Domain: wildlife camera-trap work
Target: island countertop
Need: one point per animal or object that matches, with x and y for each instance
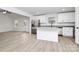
(48, 29)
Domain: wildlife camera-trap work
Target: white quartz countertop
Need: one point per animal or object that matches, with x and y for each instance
(48, 29)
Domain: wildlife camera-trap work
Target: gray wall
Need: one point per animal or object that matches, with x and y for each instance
(21, 26)
(6, 23)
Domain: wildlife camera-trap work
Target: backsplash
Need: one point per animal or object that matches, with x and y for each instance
(58, 24)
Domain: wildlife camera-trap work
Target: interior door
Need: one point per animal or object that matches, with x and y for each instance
(77, 28)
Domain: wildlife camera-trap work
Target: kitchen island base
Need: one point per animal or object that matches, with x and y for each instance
(47, 34)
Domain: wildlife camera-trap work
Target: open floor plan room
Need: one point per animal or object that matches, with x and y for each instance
(39, 29)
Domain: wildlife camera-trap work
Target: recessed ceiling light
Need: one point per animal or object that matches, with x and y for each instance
(63, 9)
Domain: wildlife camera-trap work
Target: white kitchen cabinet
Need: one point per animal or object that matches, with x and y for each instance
(41, 18)
(68, 31)
(52, 16)
(66, 17)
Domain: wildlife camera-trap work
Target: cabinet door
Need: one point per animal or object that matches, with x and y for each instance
(42, 19)
(60, 17)
(70, 17)
(68, 31)
(66, 17)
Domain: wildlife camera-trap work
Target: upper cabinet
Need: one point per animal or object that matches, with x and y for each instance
(41, 18)
(51, 18)
(66, 17)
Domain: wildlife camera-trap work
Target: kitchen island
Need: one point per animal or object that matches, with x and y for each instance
(49, 34)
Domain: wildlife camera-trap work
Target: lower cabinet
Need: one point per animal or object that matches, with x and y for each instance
(68, 31)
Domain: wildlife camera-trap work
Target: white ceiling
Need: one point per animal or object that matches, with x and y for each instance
(45, 10)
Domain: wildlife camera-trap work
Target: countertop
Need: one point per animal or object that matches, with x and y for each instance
(48, 29)
(53, 26)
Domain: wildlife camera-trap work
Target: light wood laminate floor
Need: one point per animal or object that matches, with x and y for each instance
(24, 42)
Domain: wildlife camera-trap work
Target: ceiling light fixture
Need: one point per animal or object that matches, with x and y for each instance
(63, 9)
